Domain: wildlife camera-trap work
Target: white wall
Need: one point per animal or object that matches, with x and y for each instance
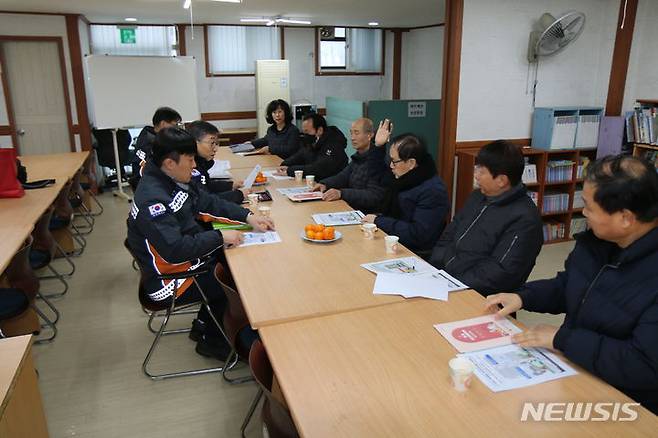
(422, 63)
(493, 97)
(642, 76)
(223, 94)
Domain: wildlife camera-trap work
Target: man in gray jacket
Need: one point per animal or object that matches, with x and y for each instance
(360, 183)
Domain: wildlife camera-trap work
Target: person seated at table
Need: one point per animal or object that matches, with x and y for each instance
(322, 153)
(358, 184)
(609, 286)
(164, 235)
(206, 134)
(492, 243)
(164, 117)
(416, 205)
(282, 137)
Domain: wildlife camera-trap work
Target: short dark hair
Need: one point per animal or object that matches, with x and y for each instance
(272, 106)
(172, 143)
(502, 158)
(409, 146)
(165, 114)
(625, 183)
(200, 128)
(318, 120)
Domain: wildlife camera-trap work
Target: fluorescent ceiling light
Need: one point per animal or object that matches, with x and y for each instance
(187, 4)
(285, 20)
(373, 23)
(255, 20)
(228, 1)
(130, 19)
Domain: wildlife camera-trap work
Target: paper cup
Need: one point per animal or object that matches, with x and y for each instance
(369, 231)
(310, 181)
(298, 175)
(461, 373)
(391, 243)
(264, 210)
(253, 198)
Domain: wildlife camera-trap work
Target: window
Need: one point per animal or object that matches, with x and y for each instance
(147, 41)
(350, 51)
(233, 50)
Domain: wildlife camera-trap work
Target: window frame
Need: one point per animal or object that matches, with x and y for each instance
(337, 71)
(206, 50)
(179, 37)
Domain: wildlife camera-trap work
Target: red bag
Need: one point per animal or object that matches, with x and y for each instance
(9, 185)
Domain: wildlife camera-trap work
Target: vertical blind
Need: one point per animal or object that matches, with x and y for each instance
(149, 41)
(234, 49)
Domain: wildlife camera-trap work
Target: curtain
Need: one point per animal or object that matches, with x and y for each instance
(365, 49)
(149, 41)
(235, 49)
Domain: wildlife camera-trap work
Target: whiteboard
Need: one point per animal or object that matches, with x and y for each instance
(125, 91)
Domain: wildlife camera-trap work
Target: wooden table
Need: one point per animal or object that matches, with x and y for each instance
(248, 162)
(298, 279)
(63, 165)
(21, 411)
(383, 372)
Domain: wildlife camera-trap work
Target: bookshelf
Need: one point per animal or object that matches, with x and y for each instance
(558, 187)
(643, 122)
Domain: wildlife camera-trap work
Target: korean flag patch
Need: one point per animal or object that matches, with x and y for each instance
(157, 209)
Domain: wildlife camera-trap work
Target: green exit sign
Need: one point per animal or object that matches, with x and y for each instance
(127, 35)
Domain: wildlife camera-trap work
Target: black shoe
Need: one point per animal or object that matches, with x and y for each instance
(217, 348)
(198, 327)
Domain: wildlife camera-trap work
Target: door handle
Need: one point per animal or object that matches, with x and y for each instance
(21, 132)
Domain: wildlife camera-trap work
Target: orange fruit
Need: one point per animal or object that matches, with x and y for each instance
(328, 233)
(308, 228)
(318, 228)
(310, 234)
(319, 235)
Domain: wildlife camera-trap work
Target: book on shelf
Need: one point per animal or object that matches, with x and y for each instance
(578, 225)
(529, 174)
(534, 196)
(583, 162)
(642, 125)
(555, 202)
(553, 230)
(559, 171)
(578, 199)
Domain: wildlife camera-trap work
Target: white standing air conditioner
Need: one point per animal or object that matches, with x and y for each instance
(272, 82)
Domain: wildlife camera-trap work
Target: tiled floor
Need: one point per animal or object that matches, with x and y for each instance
(91, 378)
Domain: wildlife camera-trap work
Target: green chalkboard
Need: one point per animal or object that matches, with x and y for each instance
(419, 117)
(341, 113)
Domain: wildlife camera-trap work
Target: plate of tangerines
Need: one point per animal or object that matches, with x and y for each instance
(320, 234)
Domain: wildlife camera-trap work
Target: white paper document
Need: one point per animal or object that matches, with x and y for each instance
(261, 238)
(403, 265)
(220, 169)
(270, 174)
(512, 367)
(241, 148)
(433, 285)
(293, 190)
(479, 333)
(339, 218)
(252, 177)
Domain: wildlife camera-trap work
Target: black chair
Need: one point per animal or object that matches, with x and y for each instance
(104, 146)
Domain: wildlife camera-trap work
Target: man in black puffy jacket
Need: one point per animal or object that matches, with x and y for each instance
(323, 151)
(360, 183)
(609, 286)
(492, 243)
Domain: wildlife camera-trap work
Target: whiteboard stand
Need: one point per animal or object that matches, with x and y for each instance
(119, 192)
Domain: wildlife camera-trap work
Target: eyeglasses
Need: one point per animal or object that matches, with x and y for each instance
(394, 162)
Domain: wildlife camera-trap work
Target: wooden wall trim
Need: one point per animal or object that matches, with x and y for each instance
(452, 44)
(397, 63)
(620, 57)
(8, 101)
(283, 43)
(477, 144)
(75, 55)
(229, 115)
(426, 27)
(182, 43)
(6, 130)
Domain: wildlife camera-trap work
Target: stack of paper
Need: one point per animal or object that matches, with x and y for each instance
(220, 169)
(260, 238)
(270, 174)
(337, 219)
(412, 277)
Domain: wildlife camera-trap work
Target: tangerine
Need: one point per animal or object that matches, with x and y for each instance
(310, 234)
(319, 235)
(308, 228)
(328, 233)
